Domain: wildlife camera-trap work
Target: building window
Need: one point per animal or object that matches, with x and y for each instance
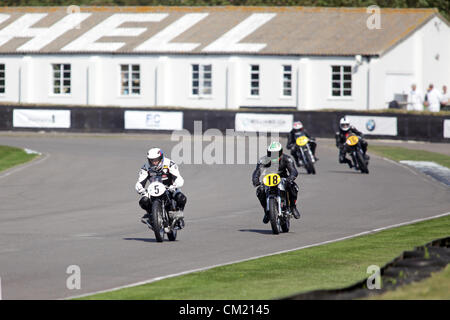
(201, 79)
(130, 79)
(254, 80)
(287, 80)
(2, 78)
(61, 78)
(341, 81)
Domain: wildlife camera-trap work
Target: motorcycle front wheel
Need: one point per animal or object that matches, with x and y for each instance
(157, 221)
(362, 163)
(309, 164)
(274, 221)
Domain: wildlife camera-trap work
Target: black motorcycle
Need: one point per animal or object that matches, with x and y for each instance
(304, 154)
(163, 209)
(353, 146)
(277, 202)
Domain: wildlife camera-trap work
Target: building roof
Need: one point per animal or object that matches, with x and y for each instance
(205, 30)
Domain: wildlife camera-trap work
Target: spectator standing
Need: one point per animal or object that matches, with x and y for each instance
(415, 102)
(433, 98)
(445, 102)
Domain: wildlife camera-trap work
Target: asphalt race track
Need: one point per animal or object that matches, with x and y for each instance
(78, 206)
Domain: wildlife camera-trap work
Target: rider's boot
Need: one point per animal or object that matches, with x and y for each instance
(266, 217)
(146, 218)
(179, 217)
(295, 212)
(297, 161)
(350, 165)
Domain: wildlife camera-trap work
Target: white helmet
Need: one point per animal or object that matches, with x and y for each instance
(344, 124)
(275, 150)
(155, 158)
(297, 125)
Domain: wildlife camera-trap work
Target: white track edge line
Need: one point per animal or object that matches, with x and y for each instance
(24, 166)
(257, 257)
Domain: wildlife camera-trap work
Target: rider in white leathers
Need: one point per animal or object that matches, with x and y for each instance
(158, 165)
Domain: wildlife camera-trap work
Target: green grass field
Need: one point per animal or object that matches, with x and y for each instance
(328, 266)
(11, 156)
(398, 154)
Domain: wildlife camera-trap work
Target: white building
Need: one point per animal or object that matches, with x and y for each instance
(220, 57)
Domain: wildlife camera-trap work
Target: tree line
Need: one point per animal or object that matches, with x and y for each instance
(442, 5)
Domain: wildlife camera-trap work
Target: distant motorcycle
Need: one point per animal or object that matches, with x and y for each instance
(162, 219)
(277, 203)
(304, 154)
(353, 146)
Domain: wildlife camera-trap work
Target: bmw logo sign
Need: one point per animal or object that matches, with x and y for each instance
(370, 124)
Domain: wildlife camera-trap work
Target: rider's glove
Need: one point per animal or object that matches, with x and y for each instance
(172, 188)
(143, 192)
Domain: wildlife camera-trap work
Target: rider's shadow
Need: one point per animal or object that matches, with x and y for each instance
(141, 239)
(262, 231)
(344, 171)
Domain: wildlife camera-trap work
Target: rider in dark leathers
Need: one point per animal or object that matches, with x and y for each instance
(286, 169)
(345, 129)
(297, 131)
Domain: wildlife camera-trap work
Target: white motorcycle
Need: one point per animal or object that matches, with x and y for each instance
(162, 219)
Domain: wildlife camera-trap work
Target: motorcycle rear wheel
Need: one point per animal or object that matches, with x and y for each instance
(285, 225)
(172, 235)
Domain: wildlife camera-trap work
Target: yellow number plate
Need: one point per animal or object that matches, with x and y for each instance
(301, 141)
(352, 140)
(272, 180)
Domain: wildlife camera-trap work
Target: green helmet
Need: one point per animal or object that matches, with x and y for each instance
(275, 149)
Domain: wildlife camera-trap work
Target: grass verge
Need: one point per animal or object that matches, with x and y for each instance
(11, 156)
(398, 154)
(328, 266)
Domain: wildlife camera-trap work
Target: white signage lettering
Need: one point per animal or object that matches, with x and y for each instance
(40, 36)
(229, 42)
(447, 128)
(109, 28)
(153, 120)
(263, 122)
(41, 118)
(4, 17)
(161, 41)
(374, 125)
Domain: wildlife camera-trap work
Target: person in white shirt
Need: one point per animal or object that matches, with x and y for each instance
(415, 102)
(445, 102)
(434, 98)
